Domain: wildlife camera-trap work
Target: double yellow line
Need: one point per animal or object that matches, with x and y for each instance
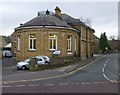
(57, 76)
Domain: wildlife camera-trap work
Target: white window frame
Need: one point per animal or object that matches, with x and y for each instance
(75, 43)
(31, 49)
(55, 38)
(69, 46)
(18, 42)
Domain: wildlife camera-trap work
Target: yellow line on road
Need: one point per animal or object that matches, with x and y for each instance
(72, 72)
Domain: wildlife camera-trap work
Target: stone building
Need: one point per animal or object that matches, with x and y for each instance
(114, 45)
(49, 32)
(96, 45)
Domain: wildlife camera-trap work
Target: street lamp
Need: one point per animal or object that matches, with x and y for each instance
(106, 48)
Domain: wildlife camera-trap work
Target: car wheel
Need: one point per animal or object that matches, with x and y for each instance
(5, 54)
(23, 67)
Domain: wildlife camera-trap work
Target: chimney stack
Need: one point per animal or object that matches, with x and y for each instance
(57, 11)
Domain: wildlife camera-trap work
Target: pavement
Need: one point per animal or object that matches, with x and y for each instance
(14, 75)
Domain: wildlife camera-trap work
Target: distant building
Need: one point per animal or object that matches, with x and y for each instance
(113, 45)
(49, 32)
(96, 45)
(3, 42)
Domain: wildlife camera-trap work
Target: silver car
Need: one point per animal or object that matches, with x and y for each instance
(25, 64)
(46, 58)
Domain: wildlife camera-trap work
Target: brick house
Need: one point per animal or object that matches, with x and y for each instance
(52, 31)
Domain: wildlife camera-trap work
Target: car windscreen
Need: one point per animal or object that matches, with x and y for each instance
(27, 60)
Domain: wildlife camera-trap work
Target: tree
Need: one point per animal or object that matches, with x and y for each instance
(104, 45)
(87, 21)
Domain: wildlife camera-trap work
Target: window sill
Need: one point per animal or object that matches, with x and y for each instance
(52, 49)
(69, 53)
(18, 50)
(32, 50)
(69, 50)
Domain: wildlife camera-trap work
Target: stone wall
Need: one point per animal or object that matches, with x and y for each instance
(42, 42)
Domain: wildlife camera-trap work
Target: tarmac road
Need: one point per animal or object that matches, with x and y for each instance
(100, 76)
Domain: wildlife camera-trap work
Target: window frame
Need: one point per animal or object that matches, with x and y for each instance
(32, 44)
(18, 43)
(53, 39)
(75, 43)
(69, 43)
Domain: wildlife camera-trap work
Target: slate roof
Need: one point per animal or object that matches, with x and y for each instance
(46, 20)
(95, 37)
(69, 19)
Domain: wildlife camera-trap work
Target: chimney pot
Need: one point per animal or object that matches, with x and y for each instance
(57, 11)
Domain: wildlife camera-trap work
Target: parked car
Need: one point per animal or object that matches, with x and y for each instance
(25, 64)
(46, 58)
(7, 54)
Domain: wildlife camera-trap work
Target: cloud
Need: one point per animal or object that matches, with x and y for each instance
(103, 15)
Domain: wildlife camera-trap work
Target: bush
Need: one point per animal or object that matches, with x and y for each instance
(53, 65)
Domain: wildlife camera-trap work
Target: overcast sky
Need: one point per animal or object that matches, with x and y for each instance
(104, 16)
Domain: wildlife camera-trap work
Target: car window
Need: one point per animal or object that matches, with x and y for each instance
(39, 59)
(44, 58)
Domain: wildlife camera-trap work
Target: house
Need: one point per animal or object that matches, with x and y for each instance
(6, 49)
(96, 44)
(3, 42)
(51, 31)
(114, 45)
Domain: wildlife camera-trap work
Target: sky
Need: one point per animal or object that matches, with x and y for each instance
(103, 15)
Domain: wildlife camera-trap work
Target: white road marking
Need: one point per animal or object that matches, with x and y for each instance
(106, 77)
(83, 83)
(104, 65)
(63, 83)
(19, 85)
(88, 83)
(95, 82)
(5, 82)
(103, 71)
(99, 82)
(114, 81)
(34, 85)
(49, 84)
(6, 86)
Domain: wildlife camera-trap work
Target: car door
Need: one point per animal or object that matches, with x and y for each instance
(40, 61)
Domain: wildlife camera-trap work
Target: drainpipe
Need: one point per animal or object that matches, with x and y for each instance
(79, 44)
(87, 43)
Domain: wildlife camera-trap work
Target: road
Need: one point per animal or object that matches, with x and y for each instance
(100, 76)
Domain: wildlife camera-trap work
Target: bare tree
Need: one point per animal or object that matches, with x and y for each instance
(112, 37)
(87, 21)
